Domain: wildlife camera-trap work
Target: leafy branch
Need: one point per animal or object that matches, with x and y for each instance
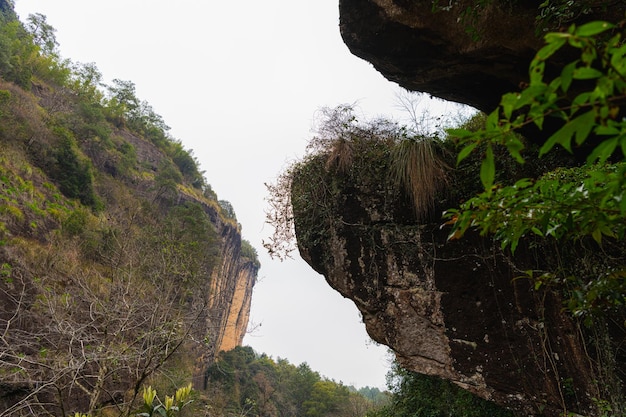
(586, 101)
(594, 111)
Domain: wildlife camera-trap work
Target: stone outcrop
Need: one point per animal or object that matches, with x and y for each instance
(466, 51)
(228, 298)
(461, 310)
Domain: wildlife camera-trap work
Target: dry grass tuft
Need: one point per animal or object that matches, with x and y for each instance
(341, 155)
(417, 168)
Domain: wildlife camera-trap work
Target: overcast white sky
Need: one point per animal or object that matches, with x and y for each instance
(239, 83)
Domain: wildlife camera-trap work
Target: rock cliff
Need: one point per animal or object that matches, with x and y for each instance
(461, 310)
(231, 292)
(457, 309)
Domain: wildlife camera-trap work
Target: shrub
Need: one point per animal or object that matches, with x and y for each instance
(73, 172)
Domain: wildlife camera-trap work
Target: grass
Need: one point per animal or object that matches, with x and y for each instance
(417, 169)
(341, 155)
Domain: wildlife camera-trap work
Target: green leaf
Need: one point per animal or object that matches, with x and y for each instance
(597, 236)
(515, 146)
(606, 130)
(536, 72)
(509, 103)
(617, 59)
(580, 126)
(584, 125)
(555, 36)
(465, 152)
(593, 28)
(488, 169)
(492, 120)
(553, 45)
(567, 74)
(586, 73)
(580, 100)
(458, 133)
(622, 204)
(603, 151)
(514, 243)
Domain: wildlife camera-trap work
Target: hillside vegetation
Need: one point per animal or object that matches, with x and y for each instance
(111, 240)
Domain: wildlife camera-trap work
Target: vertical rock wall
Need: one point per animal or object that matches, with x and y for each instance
(228, 297)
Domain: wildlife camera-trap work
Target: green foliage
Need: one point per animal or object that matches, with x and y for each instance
(379, 154)
(186, 237)
(73, 172)
(227, 209)
(248, 251)
(7, 11)
(187, 164)
(43, 33)
(326, 398)
(242, 381)
(569, 205)
(75, 223)
(171, 406)
(557, 13)
(565, 205)
(602, 65)
(102, 298)
(417, 395)
(17, 53)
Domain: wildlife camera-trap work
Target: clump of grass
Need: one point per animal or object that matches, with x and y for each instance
(416, 167)
(341, 155)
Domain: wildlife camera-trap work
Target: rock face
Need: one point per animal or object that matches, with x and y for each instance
(231, 293)
(228, 298)
(458, 310)
(458, 50)
(461, 310)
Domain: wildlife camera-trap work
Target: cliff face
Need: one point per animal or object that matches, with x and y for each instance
(461, 310)
(231, 292)
(227, 297)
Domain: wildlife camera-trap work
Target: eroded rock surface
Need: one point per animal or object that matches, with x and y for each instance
(461, 310)
(460, 50)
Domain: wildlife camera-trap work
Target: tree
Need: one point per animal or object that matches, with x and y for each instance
(43, 33)
(115, 323)
(326, 399)
(18, 53)
(417, 395)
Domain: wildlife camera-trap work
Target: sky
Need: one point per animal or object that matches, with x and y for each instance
(240, 84)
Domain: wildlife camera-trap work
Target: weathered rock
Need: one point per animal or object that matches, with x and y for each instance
(460, 50)
(231, 292)
(461, 310)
